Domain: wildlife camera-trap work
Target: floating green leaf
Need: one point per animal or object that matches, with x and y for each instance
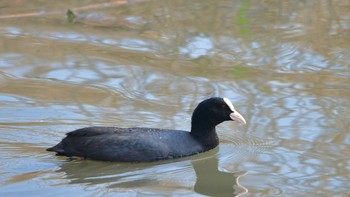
(71, 16)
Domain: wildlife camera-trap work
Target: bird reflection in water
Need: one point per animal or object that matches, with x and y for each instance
(157, 178)
(213, 182)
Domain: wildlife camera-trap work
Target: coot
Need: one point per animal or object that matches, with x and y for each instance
(150, 144)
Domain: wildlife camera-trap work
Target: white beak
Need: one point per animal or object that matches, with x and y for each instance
(237, 117)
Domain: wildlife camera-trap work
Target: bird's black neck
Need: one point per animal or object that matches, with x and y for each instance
(205, 133)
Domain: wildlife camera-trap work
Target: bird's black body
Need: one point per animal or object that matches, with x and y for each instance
(127, 144)
(148, 144)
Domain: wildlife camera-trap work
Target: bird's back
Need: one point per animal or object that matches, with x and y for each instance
(128, 144)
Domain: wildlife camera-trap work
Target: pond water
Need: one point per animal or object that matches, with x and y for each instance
(284, 64)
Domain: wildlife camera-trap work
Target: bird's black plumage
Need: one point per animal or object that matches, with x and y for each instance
(150, 144)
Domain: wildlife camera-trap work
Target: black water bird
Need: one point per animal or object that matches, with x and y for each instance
(150, 144)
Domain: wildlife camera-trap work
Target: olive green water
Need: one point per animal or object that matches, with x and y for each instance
(284, 64)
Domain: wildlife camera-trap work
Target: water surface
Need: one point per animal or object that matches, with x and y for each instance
(285, 66)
